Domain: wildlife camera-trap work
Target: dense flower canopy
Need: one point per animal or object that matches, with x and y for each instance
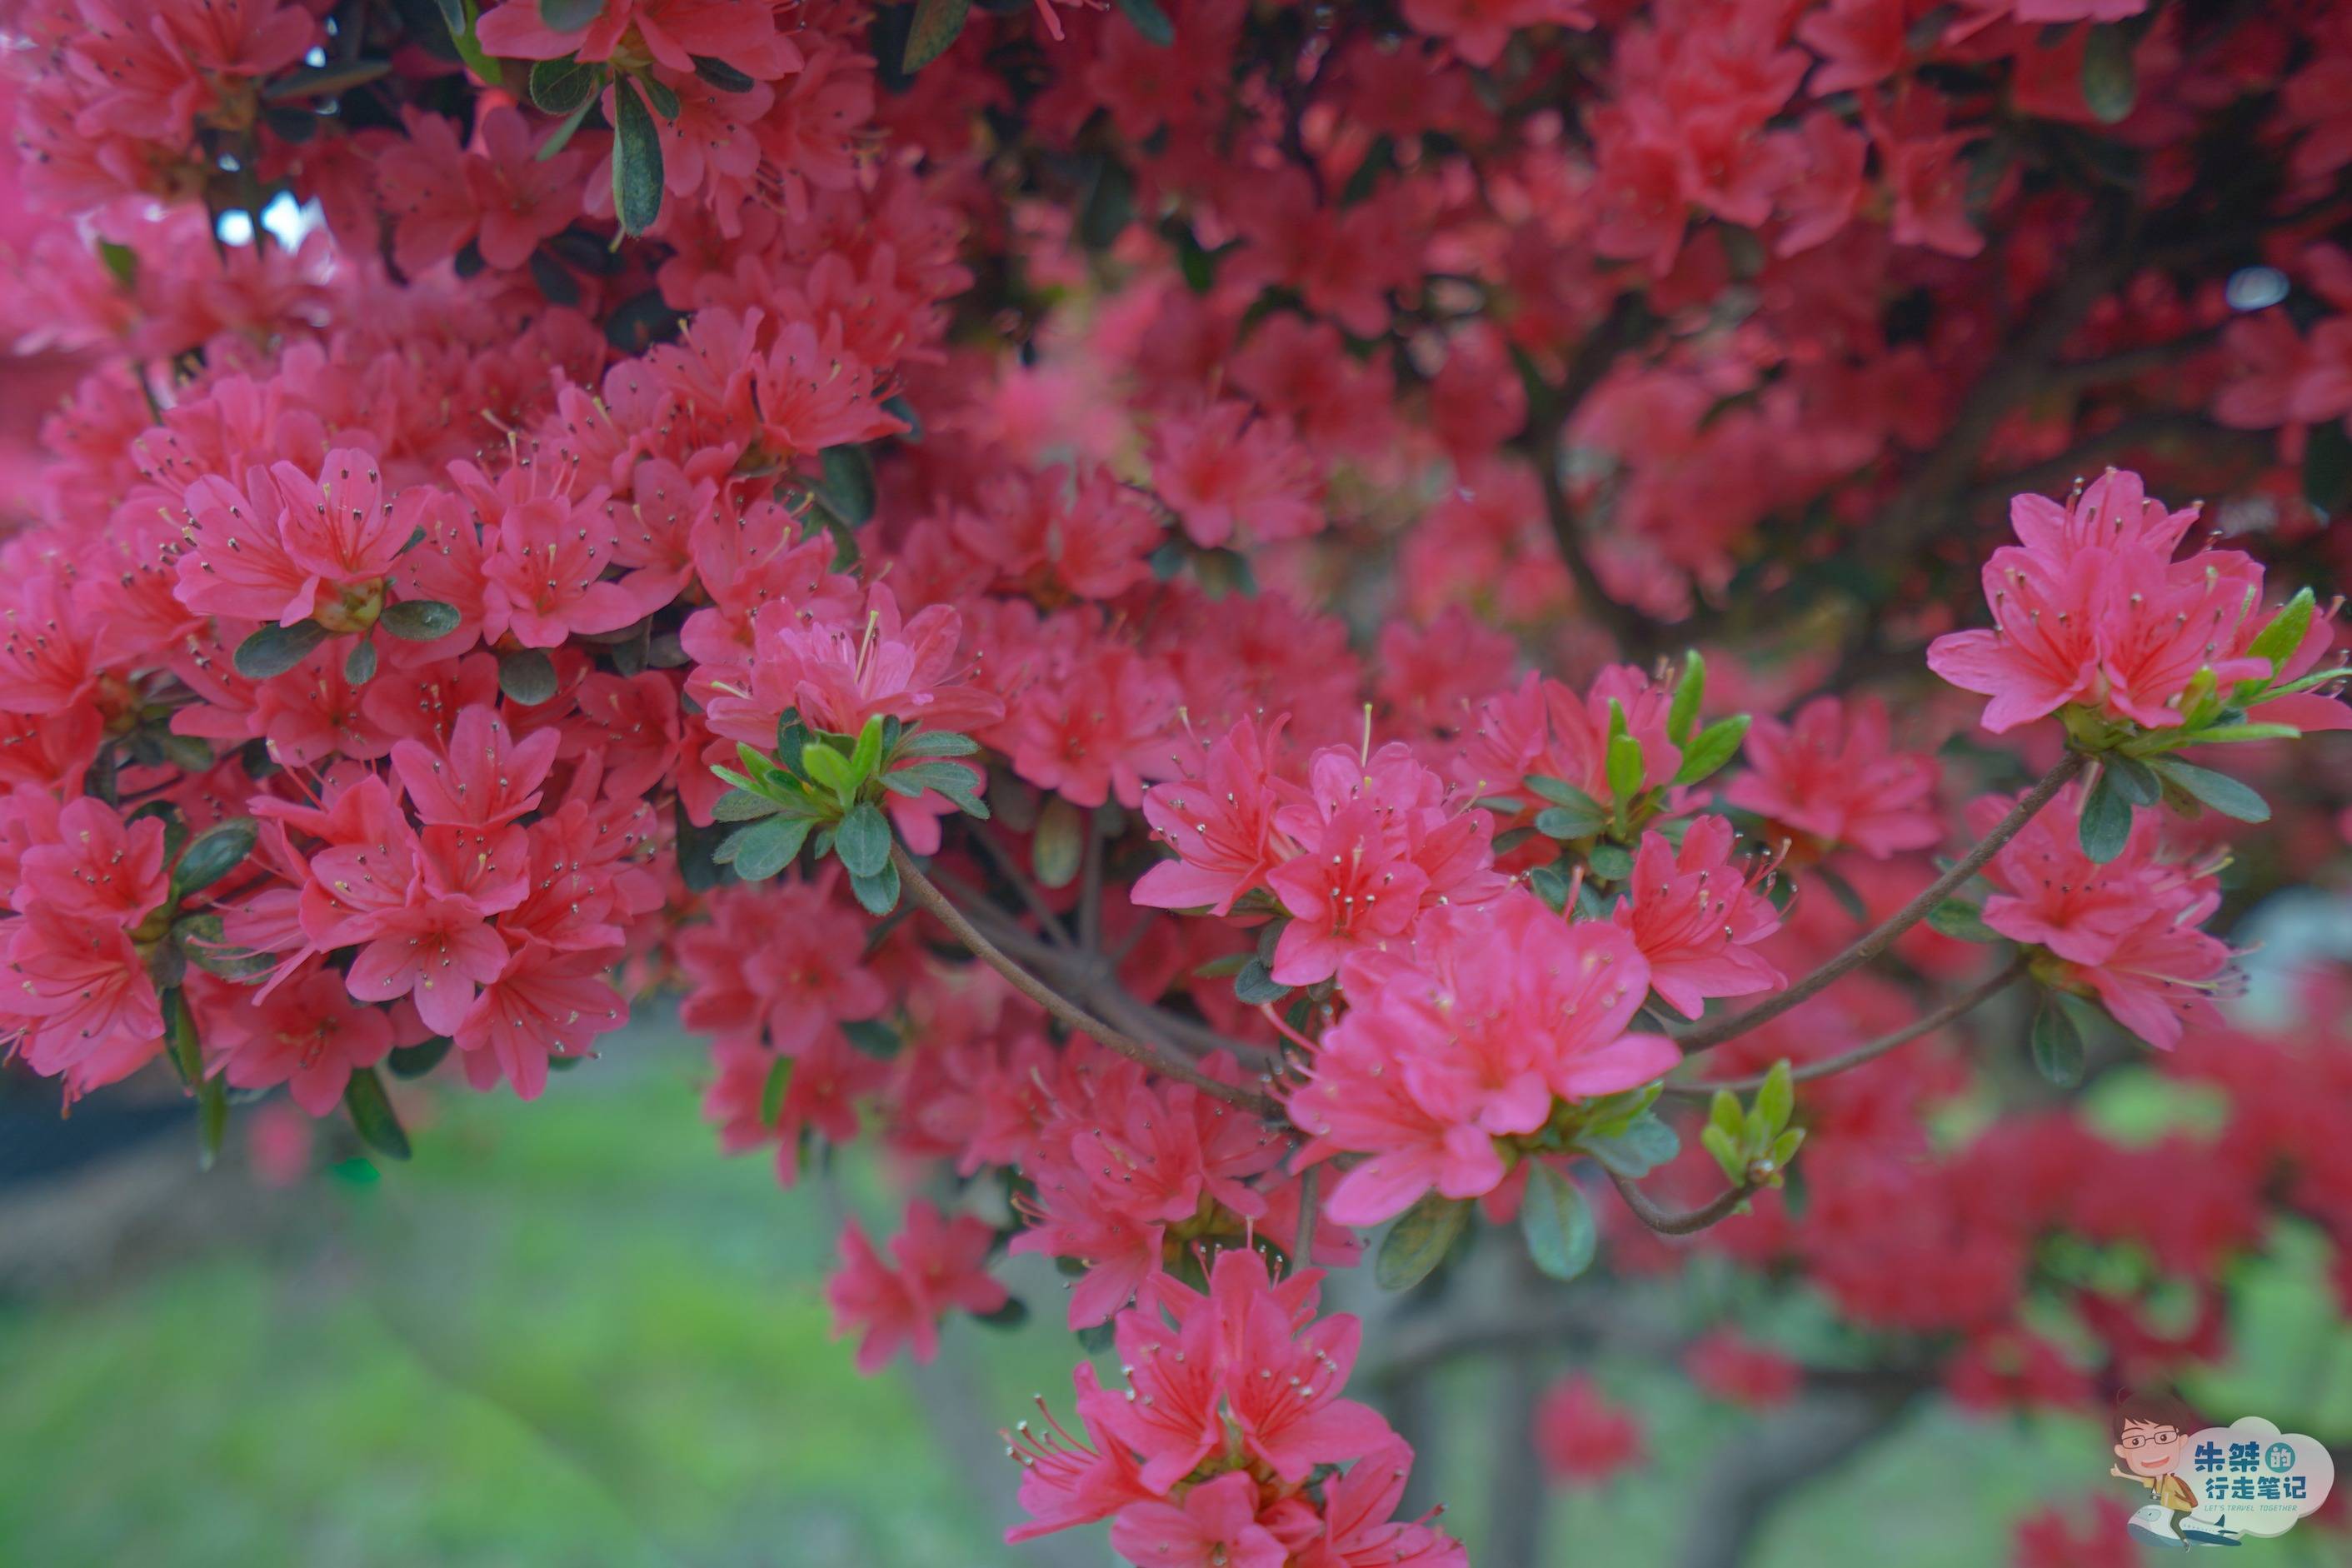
(1103, 593)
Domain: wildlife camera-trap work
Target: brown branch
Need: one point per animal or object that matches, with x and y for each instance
(2127, 363)
(1878, 939)
(1031, 894)
(1091, 978)
(1305, 1251)
(2133, 431)
(1828, 1067)
(1058, 1006)
(1546, 443)
(1667, 1222)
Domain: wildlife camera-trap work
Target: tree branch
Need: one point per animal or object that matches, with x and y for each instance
(1668, 1222)
(1546, 443)
(1090, 978)
(1927, 1024)
(1759, 1470)
(1877, 940)
(1060, 1006)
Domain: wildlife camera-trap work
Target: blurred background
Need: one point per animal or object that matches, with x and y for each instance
(570, 1332)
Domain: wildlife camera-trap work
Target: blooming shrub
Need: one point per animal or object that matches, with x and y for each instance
(1093, 591)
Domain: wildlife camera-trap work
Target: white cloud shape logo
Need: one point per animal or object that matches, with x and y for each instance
(2252, 1478)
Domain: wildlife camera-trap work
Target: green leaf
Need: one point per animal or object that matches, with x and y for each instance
(373, 1115)
(637, 162)
(359, 665)
(1689, 692)
(212, 1121)
(2057, 1045)
(1723, 1111)
(2232, 734)
(527, 676)
(871, 1037)
(743, 806)
(697, 847)
(847, 487)
(862, 840)
(200, 937)
(559, 87)
(1107, 207)
(958, 784)
(1626, 767)
(1711, 748)
(2134, 780)
(1776, 1100)
(867, 755)
(1610, 862)
(1647, 1143)
(1055, 850)
(773, 1090)
(2110, 80)
(1725, 1147)
(1255, 984)
(1096, 1338)
(1566, 822)
(2219, 791)
(934, 29)
(1964, 921)
(825, 762)
(324, 82)
(460, 15)
(2280, 640)
(878, 894)
(274, 650)
(1012, 1315)
(1550, 884)
(1784, 1150)
(2106, 822)
(1561, 793)
(569, 15)
(419, 620)
(212, 856)
(1149, 20)
(1419, 1241)
(933, 743)
(122, 262)
(791, 739)
(660, 94)
(417, 1060)
(760, 850)
(1556, 1223)
(721, 75)
(2327, 466)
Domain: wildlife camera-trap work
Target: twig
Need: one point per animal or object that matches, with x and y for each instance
(1546, 446)
(1090, 890)
(1030, 893)
(1927, 1024)
(1666, 1222)
(1761, 1471)
(2132, 431)
(1306, 1248)
(1060, 1006)
(1091, 978)
(1877, 940)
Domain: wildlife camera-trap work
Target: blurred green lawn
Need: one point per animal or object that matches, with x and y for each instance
(570, 1333)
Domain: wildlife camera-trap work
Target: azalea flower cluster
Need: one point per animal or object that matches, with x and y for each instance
(2092, 615)
(1232, 1442)
(1086, 590)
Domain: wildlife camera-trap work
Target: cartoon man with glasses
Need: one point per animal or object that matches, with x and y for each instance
(2151, 1439)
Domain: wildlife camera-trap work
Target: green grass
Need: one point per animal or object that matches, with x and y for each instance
(570, 1333)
